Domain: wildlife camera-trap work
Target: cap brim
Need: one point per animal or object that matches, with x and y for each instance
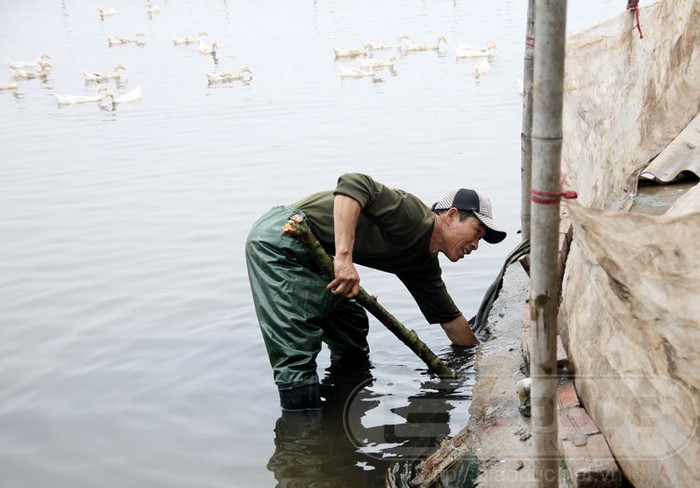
(494, 234)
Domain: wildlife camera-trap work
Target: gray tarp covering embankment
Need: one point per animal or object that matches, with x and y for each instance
(630, 314)
(682, 155)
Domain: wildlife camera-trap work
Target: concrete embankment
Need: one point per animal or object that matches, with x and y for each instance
(497, 440)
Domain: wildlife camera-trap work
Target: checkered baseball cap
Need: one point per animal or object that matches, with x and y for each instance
(473, 201)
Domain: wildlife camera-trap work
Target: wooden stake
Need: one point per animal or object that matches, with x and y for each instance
(297, 227)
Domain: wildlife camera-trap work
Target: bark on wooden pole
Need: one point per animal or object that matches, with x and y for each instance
(550, 28)
(526, 134)
(297, 227)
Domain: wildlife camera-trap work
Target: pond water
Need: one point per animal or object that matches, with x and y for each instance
(129, 350)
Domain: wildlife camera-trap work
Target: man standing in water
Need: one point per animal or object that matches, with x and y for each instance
(365, 222)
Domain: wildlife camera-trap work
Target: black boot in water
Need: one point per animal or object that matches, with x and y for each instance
(304, 397)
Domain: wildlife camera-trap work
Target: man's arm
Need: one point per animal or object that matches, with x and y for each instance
(459, 332)
(346, 211)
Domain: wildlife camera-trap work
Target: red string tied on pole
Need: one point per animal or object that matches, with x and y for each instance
(634, 6)
(552, 197)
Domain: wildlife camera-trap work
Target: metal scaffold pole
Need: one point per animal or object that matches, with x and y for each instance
(548, 89)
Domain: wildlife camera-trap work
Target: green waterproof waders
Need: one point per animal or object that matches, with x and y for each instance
(295, 310)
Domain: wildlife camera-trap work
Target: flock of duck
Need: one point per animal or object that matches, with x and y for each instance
(40, 69)
(366, 62)
(103, 95)
(368, 65)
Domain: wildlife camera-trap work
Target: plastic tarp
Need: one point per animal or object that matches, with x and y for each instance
(629, 314)
(626, 99)
(683, 154)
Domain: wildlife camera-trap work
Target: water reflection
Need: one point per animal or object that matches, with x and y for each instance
(336, 447)
(312, 448)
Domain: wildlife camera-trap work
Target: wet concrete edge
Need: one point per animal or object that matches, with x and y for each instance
(496, 433)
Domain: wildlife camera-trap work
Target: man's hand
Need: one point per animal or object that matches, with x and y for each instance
(459, 332)
(347, 279)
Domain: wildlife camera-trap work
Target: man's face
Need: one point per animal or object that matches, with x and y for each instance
(461, 237)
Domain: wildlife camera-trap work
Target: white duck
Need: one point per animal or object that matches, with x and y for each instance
(106, 12)
(408, 46)
(482, 68)
(379, 64)
(350, 52)
(380, 46)
(75, 99)
(8, 86)
(38, 64)
(346, 72)
(30, 75)
(130, 96)
(469, 51)
(96, 76)
(244, 74)
(186, 41)
(205, 48)
(152, 9)
(120, 41)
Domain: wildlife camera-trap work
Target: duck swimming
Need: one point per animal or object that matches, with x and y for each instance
(75, 99)
(96, 76)
(379, 64)
(8, 86)
(350, 52)
(244, 74)
(38, 64)
(120, 41)
(130, 96)
(469, 51)
(186, 41)
(106, 12)
(151, 9)
(346, 72)
(408, 46)
(30, 75)
(482, 68)
(205, 48)
(380, 46)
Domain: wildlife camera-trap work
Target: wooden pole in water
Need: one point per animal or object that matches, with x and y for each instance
(297, 227)
(550, 49)
(526, 134)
